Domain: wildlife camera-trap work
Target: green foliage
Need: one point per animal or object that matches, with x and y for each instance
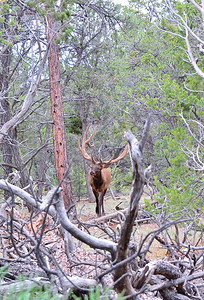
(147, 203)
(180, 181)
(35, 291)
(147, 57)
(186, 9)
(3, 271)
(75, 125)
(121, 181)
(5, 7)
(96, 294)
(122, 76)
(177, 200)
(31, 3)
(78, 179)
(5, 42)
(154, 78)
(65, 34)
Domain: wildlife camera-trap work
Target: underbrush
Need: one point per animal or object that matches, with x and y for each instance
(27, 288)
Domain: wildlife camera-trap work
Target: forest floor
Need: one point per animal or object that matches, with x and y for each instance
(86, 213)
(82, 253)
(82, 262)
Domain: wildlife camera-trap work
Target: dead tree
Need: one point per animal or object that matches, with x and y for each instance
(122, 276)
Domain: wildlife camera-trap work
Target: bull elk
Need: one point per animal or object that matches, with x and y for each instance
(99, 175)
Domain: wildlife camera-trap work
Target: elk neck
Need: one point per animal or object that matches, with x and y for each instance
(98, 181)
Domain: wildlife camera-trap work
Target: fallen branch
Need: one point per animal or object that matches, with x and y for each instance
(63, 219)
(107, 217)
(176, 282)
(72, 283)
(116, 214)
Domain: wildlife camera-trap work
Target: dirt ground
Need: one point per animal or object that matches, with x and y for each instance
(82, 261)
(86, 213)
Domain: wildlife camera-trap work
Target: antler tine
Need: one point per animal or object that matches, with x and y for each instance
(86, 142)
(122, 155)
(83, 151)
(84, 137)
(100, 159)
(107, 163)
(92, 159)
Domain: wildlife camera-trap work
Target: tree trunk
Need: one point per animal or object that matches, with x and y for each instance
(59, 138)
(5, 114)
(42, 168)
(10, 148)
(19, 164)
(122, 276)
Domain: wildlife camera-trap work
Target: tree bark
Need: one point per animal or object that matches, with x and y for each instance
(59, 138)
(124, 283)
(5, 115)
(43, 160)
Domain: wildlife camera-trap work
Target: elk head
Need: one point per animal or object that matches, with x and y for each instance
(99, 175)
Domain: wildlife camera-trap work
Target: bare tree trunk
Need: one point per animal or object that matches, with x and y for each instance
(122, 276)
(7, 147)
(19, 165)
(59, 138)
(8, 123)
(42, 167)
(5, 114)
(10, 150)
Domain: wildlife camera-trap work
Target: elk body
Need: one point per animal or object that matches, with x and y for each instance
(99, 175)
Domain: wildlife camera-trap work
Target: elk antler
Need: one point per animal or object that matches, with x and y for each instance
(90, 157)
(86, 142)
(121, 156)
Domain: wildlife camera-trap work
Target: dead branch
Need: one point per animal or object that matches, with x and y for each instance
(82, 236)
(136, 193)
(65, 222)
(28, 99)
(115, 215)
(107, 217)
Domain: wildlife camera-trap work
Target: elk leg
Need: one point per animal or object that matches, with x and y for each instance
(103, 211)
(101, 206)
(97, 202)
